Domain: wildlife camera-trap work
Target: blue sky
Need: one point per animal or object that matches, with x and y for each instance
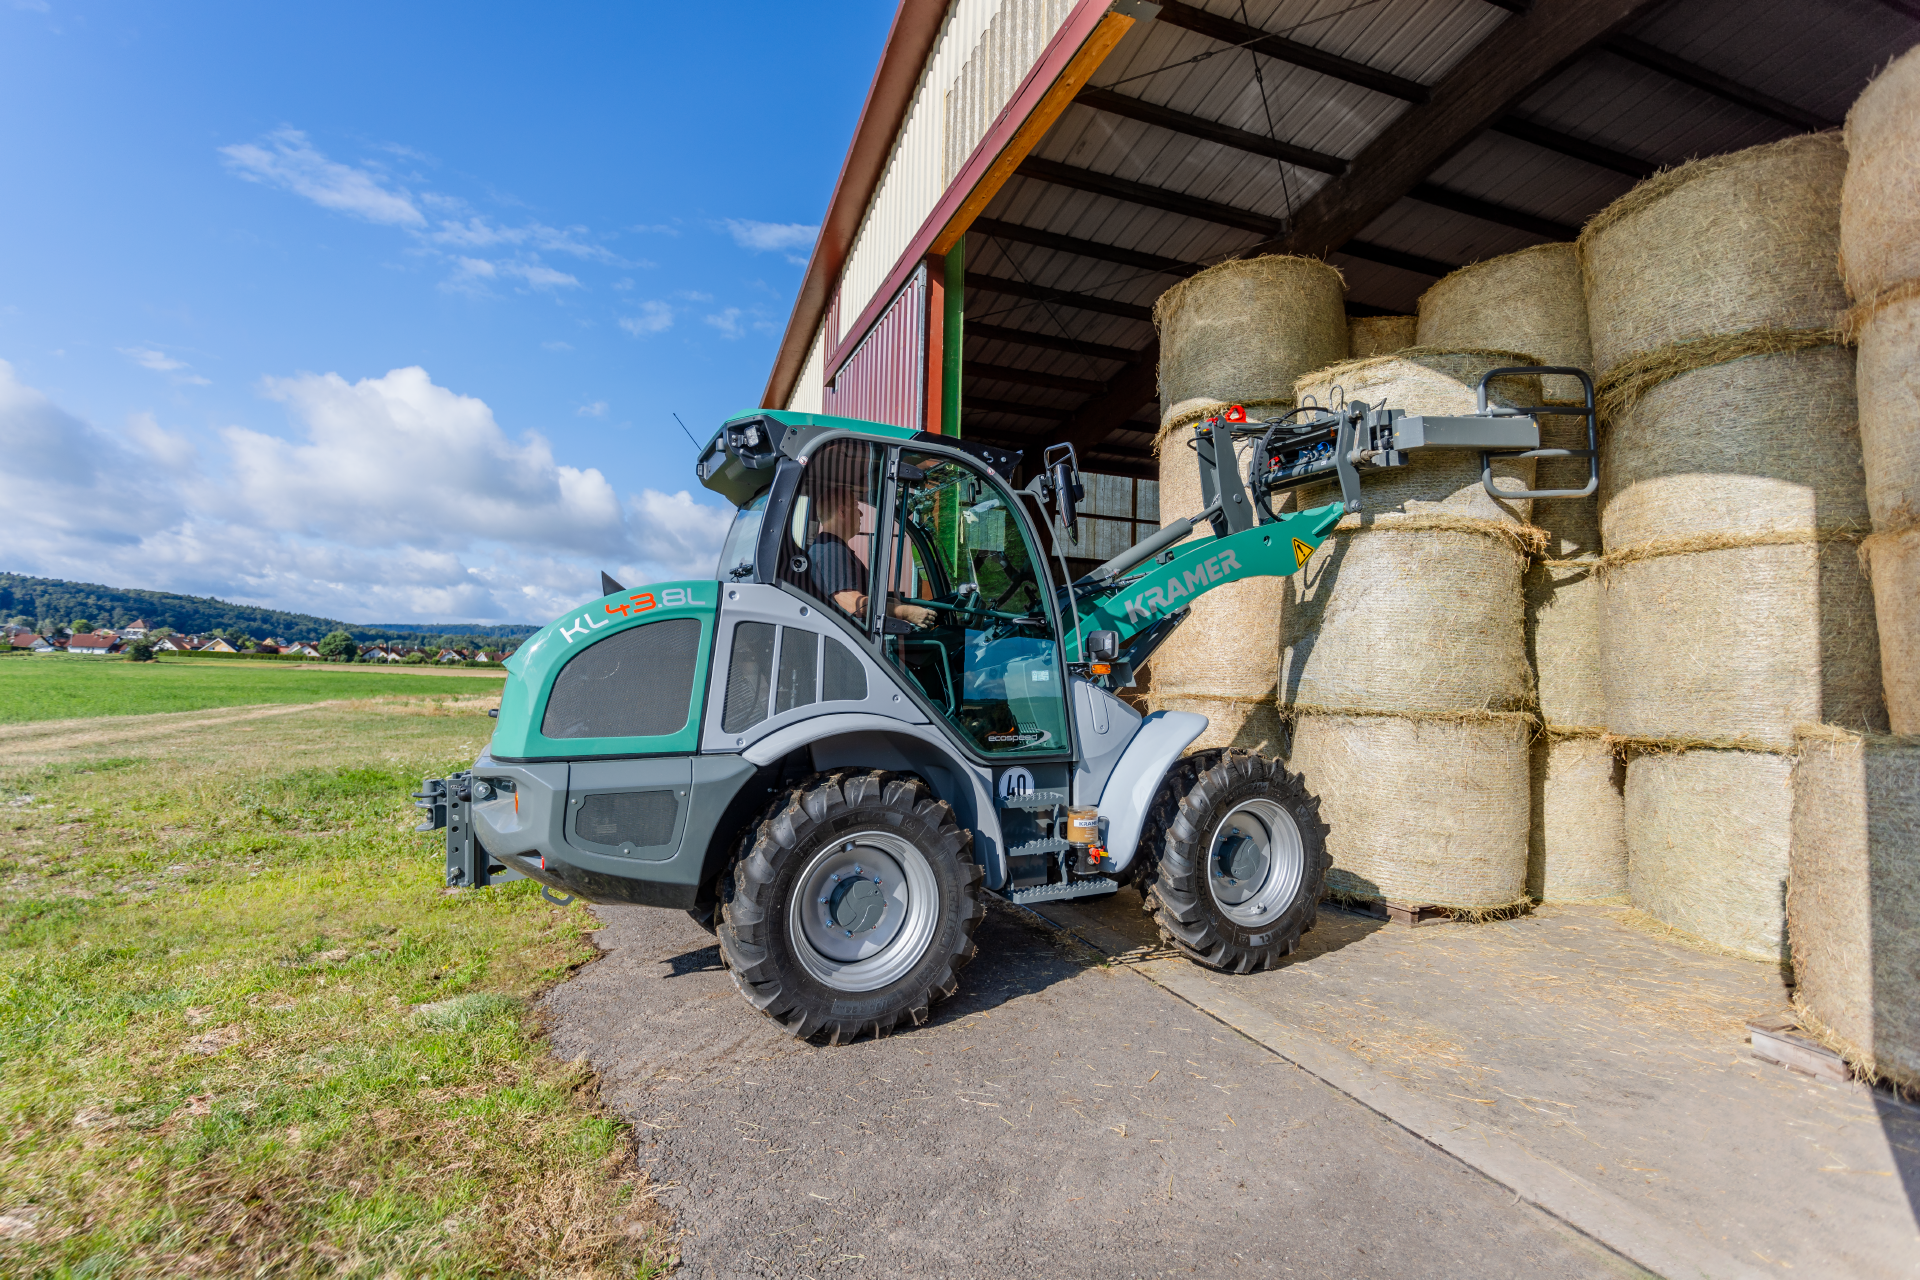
(381, 311)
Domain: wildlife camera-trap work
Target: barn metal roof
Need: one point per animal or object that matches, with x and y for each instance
(1224, 127)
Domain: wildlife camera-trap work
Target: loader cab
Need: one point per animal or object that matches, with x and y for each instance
(921, 552)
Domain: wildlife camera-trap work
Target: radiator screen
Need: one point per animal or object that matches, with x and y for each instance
(639, 818)
(635, 684)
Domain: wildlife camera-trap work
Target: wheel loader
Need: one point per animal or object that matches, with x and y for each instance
(892, 698)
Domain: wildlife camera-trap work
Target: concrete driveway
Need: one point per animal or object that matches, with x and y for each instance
(1060, 1117)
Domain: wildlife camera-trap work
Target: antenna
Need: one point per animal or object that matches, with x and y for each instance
(683, 427)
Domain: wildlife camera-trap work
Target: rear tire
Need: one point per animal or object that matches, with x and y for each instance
(1241, 860)
(853, 907)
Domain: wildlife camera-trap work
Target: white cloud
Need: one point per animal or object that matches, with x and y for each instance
(766, 236)
(161, 362)
(540, 277)
(727, 322)
(598, 409)
(397, 500)
(654, 317)
(290, 162)
(556, 345)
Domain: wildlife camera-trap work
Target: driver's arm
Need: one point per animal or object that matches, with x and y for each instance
(855, 603)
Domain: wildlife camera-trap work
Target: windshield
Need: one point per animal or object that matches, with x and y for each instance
(736, 555)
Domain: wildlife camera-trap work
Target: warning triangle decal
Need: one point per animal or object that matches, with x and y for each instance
(1300, 552)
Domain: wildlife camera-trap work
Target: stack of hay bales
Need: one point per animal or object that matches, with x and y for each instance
(1237, 333)
(1854, 893)
(1404, 667)
(1380, 335)
(1880, 256)
(1532, 301)
(1732, 505)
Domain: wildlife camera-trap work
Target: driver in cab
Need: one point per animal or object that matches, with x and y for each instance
(837, 573)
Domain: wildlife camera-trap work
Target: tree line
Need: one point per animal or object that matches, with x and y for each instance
(50, 605)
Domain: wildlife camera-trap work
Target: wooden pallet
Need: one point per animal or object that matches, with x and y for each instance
(1778, 1039)
(1406, 913)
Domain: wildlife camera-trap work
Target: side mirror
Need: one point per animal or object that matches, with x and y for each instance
(1063, 477)
(1102, 646)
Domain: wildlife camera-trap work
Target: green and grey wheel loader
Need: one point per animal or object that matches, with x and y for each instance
(887, 701)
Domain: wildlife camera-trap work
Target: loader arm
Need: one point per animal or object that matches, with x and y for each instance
(1137, 604)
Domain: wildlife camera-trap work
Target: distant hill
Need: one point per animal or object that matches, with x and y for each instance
(55, 600)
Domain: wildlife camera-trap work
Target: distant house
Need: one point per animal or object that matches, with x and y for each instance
(300, 647)
(218, 645)
(44, 644)
(94, 644)
(452, 655)
(21, 638)
(171, 644)
(136, 629)
(266, 646)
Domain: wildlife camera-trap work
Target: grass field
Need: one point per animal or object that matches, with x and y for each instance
(244, 1030)
(41, 687)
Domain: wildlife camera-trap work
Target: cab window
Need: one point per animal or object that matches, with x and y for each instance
(967, 608)
(743, 541)
(827, 549)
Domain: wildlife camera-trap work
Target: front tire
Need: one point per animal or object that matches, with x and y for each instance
(1242, 861)
(853, 907)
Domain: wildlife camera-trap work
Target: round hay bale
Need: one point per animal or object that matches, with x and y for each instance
(1893, 559)
(1422, 812)
(1731, 243)
(1737, 645)
(1426, 380)
(1577, 848)
(1889, 376)
(1853, 896)
(1380, 619)
(1224, 659)
(1369, 336)
(1880, 199)
(1708, 834)
(1246, 724)
(1765, 443)
(1564, 603)
(1244, 330)
(1527, 301)
(1572, 525)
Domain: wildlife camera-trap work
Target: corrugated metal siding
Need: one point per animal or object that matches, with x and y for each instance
(885, 379)
(1007, 50)
(915, 178)
(1117, 512)
(808, 389)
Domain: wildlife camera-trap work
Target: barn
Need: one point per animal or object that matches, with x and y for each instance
(1027, 176)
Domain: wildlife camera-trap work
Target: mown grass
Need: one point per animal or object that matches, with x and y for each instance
(245, 1031)
(42, 687)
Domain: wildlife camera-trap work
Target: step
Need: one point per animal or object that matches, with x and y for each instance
(1055, 892)
(1035, 848)
(1036, 800)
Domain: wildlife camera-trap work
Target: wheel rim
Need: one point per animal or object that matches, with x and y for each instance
(1255, 863)
(863, 911)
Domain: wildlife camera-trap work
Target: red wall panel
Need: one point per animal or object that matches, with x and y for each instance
(885, 379)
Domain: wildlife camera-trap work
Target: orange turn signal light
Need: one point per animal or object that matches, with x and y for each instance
(1101, 669)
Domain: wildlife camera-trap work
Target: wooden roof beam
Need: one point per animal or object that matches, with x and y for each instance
(1677, 68)
(1229, 31)
(1082, 248)
(1577, 148)
(1119, 104)
(1487, 211)
(1141, 193)
(1049, 342)
(1532, 46)
(1032, 378)
(985, 405)
(1040, 293)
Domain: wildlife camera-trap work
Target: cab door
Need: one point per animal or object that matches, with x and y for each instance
(967, 616)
